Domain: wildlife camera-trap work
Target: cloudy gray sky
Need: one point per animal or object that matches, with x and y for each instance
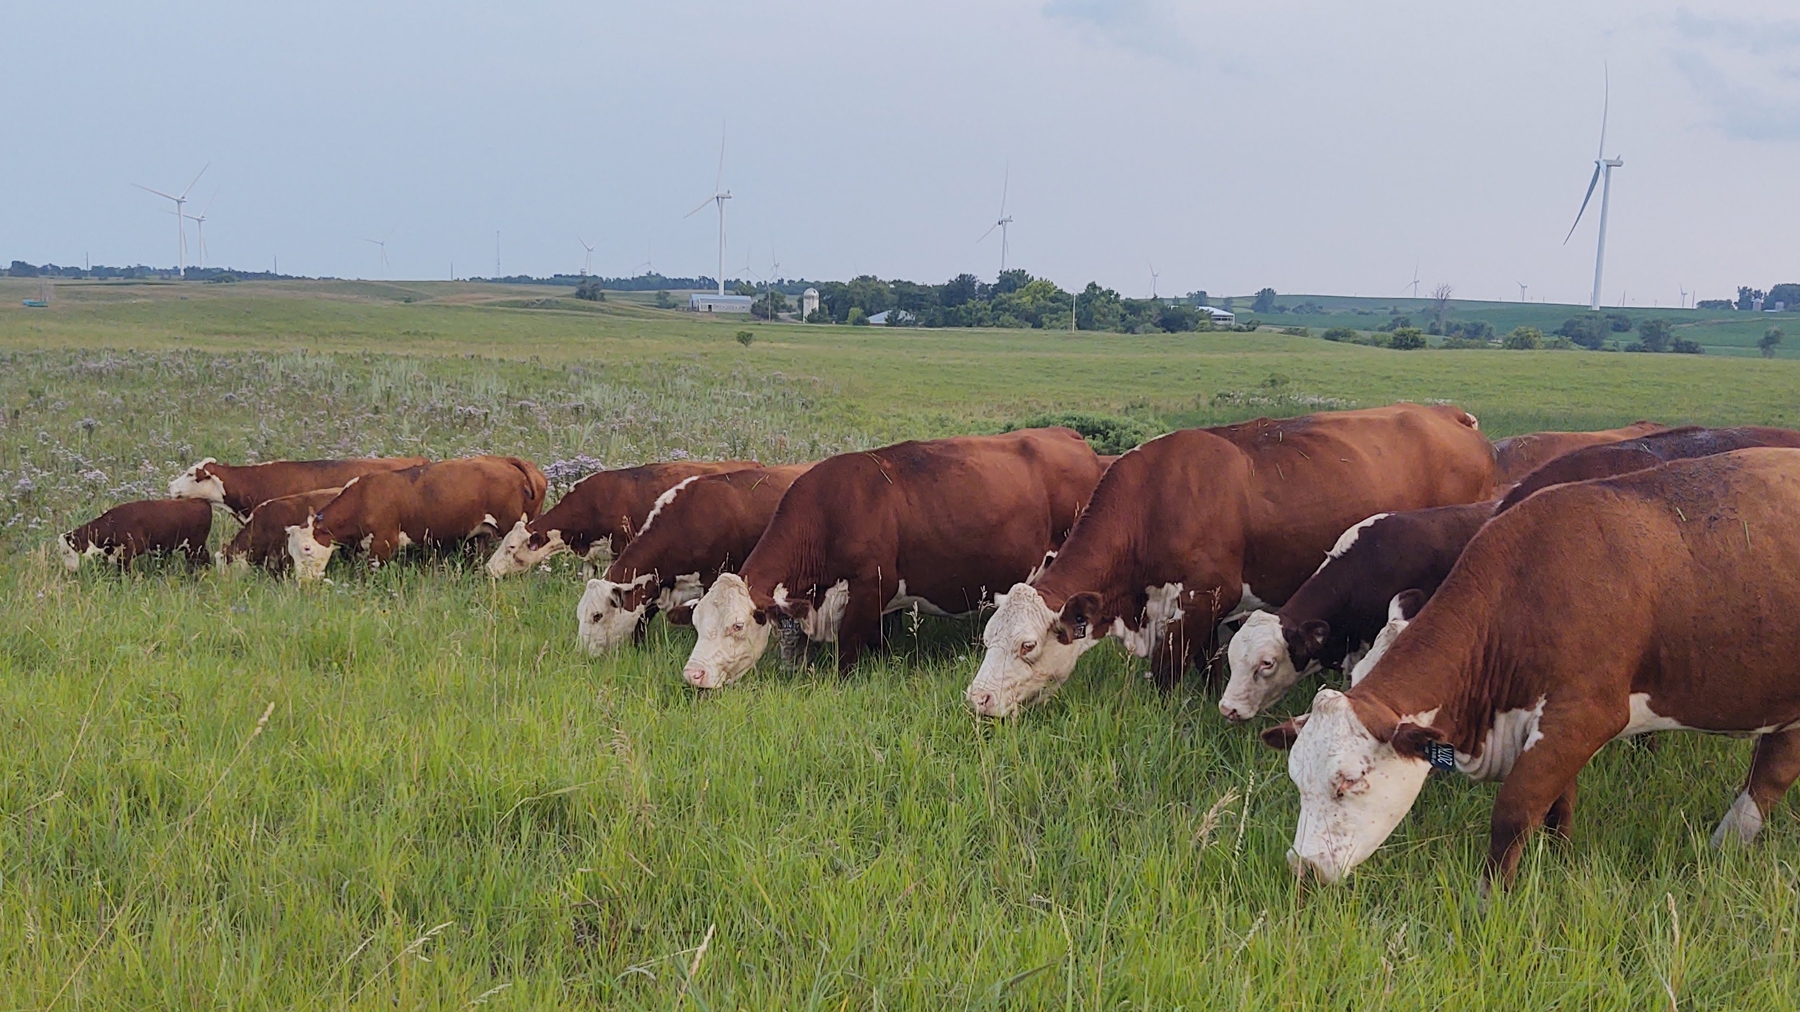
(1312, 146)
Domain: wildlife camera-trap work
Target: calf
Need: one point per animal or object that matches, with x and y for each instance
(1517, 456)
(1649, 451)
(1654, 600)
(242, 489)
(934, 524)
(1340, 609)
(262, 541)
(436, 505)
(131, 529)
(705, 526)
(599, 515)
(1199, 524)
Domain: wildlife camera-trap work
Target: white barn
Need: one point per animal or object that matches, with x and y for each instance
(1220, 317)
(711, 303)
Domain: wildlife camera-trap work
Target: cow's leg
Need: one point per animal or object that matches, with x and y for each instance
(197, 556)
(861, 626)
(381, 550)
(1172, 652)
(1561, 817)
(1773, 769)
(1542, 778)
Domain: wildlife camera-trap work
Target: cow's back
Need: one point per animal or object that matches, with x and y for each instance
(1619, 458)
(616, 502)
(1517, 456)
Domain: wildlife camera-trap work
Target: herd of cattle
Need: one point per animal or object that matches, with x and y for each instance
(1504, 608)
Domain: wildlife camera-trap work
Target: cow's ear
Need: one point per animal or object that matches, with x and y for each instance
(1313, 635)
(1411, 739)
(761, 615)
(1406, 604)
(1283, 735)
(617, 596)
(1079, 615)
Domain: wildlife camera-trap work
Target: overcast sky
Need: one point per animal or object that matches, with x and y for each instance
(1311, 146)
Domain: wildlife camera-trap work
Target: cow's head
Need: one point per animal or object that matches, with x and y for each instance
(199, 482)
(609, 612)
(732, 634)
(1267, 657)
(71, 558)
(1031, 650)
(310, 548)
(521, 549)
(1401, 611)
(1359, 769)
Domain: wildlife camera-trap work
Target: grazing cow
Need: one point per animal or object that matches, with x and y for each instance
(704, 526)
(1648, 451)
(1654, 600)
(242, 489)
(436, 505)
(1517, 456)
(937, 524)
(263, 540)
(1198, 524)
(1341, 608)
(598, 516)
(131, 529)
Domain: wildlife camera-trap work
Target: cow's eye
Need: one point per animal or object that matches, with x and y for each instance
(596, 616)
(1027, 648)
(737, 627)
(1267, 664)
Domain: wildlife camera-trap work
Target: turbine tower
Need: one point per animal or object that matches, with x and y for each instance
(1414, 283)
(180, 219)
(587, 262)
(1521, 285)
(382, 242)
(1004, 221)
(719, 197)
(1153, 277)
(1603, 166)
(199, 221)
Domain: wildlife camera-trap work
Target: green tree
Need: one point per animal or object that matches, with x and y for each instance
(744, 337)
(1770, 340)
(1339, 334)
(1787, 293)
(664, 300)
(1265, 301)
(1408, 339)
(1523, 339)
(1655, 334)
(1011, 281)
(589, 291)
(1588, 330)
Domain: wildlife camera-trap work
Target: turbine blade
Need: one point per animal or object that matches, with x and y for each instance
(1584, 203)
(209, 204)
(1005, 183)
(167, 196)
(719, 180)
(197, 176)
(1605, 108)
(990, 231)
(702, 206)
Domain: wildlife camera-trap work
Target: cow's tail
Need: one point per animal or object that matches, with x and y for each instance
(1468, 420)
(535, 482)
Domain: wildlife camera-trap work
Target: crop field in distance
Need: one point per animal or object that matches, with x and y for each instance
(450, 805)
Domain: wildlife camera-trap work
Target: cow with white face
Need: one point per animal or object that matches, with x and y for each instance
(128, 530)
(1029, 654)
(732, 634)
(1354, 787)
(703, 527)
(241, 489)
(199, 482)
(932, 525)
(599, 515)
(1342, 607)
(1198, 525)
(1516, 671)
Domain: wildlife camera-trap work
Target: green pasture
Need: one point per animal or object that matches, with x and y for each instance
(449, 805)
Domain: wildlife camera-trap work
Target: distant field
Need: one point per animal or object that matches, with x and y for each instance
(1720, 332)
(451, 804)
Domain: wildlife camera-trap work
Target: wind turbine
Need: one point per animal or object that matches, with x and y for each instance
(1414, 282)
(180, 218)
(382, 242)
(648, 266)
(719, 197)
(1521, 285)
(1602, 166)
(1684, 298)
(200, 227)
(1005, 219)
(587, 262)
(1153, 277)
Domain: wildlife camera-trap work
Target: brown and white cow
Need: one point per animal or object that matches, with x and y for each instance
(934, 524)
(599, 515)
(1517, 456)
(1662, 599)
(263, 540)
(1648, 451)
(131, 529)
(1198, 524)
(242, 489)
(1339, 610)
(704, 526)
(435, 505)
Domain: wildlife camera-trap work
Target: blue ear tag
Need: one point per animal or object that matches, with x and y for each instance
(1441, 756)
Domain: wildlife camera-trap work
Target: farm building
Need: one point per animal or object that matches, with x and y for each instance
(1220, 317)
(710, 303)
(809, 303)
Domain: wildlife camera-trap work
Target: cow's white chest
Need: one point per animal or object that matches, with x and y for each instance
(1162, 605)
(1513, 734)
(685, 588)
(820, 624)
